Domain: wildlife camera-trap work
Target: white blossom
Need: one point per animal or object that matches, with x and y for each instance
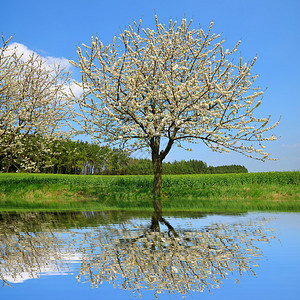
(33, 105)
(170, 83)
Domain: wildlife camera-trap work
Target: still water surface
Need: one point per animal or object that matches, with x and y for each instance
(120, 256)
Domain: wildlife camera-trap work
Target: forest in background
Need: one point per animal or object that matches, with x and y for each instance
(65, 156)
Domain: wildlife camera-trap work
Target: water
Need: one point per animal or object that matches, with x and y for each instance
(120, 256)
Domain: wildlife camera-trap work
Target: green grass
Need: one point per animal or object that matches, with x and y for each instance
(274, 191)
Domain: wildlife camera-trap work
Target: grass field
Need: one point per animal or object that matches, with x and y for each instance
(274, 191)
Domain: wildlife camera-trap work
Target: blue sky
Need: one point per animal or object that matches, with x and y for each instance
(268, 29)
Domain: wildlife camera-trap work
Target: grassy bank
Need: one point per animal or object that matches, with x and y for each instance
(275, 191)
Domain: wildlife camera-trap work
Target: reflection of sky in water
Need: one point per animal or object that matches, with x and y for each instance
(51, 269)
(277, 274)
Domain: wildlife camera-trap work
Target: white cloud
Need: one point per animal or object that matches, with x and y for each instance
(76, 89)
(291, 146)
(48, 60)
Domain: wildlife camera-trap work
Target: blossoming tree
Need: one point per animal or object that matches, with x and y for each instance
(32, 107)
(157, 88)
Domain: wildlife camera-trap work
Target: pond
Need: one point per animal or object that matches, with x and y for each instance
(117, 255)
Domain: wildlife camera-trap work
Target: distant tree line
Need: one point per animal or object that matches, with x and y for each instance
(144, 166)
(65, 156)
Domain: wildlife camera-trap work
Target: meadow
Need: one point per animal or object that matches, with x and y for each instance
(273, 191)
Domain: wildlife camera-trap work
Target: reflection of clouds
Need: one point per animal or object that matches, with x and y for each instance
(29, 249)
(51, 268)
(20, 278)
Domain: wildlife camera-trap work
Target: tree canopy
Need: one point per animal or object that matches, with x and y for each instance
(33, 106)
(153, 88)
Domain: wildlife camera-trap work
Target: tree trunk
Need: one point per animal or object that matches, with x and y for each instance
(157, 183)
(154, 227)
(9, 164)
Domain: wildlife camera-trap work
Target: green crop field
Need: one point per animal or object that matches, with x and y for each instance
(274, 191)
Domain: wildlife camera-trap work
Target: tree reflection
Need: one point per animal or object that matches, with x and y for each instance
(133, 257)
(136, 258)
(30, 246)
